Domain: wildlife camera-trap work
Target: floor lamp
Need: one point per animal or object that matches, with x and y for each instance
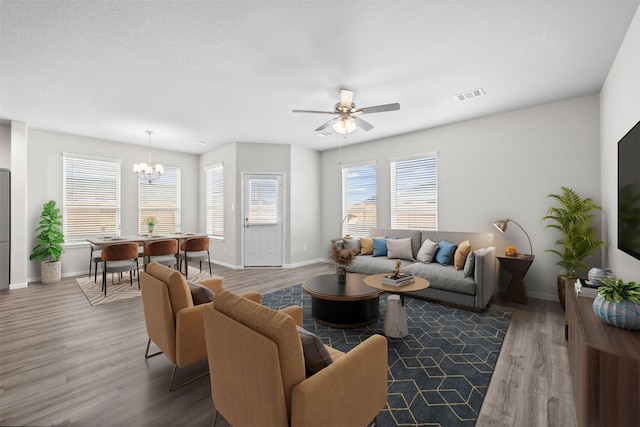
(501, 225)
(350, 219)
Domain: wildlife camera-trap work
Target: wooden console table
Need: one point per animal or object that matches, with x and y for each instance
(605, 366)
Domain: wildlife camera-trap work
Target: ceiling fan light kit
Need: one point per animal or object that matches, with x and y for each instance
(348, 118)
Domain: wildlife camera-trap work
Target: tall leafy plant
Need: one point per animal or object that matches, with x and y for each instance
(50, 239)
(572, 219)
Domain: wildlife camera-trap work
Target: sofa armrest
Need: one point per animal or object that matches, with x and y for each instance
(485, 276)
(253, 296)
(351, 391)
(190, 343)
(295, 312)
(213, 284)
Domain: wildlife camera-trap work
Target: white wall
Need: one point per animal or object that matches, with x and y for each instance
(491, 168)
(305, 207)
(44, 178)
(619, 112)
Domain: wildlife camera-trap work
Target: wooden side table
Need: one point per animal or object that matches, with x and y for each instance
(517, 267)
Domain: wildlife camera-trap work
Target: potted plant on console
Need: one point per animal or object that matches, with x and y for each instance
(572, 218)
(49, 248)
(618, 303)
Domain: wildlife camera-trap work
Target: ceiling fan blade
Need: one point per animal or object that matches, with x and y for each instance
(378, 108)
(314, 111)
(327, 124)
(346, 98)
(364, 125)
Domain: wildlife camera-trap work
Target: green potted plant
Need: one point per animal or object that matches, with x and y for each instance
(49, 248)
(572, 219)
(618, 303)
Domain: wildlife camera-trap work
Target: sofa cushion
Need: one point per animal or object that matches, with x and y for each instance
(445, 252)
(379, 246)
(200, 293)
(366, 246)
(442, 277)
(368, 264)
(316, 355)
(460, 256)
(399, 248)
(351, 244)
(470, 264)
(427, 251)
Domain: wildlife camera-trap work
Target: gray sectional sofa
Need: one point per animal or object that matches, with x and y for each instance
(448, 284)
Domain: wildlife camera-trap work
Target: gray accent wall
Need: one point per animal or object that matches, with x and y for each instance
(500, 166)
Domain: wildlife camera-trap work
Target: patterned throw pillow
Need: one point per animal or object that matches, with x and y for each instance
(200, 293)
(316, 356)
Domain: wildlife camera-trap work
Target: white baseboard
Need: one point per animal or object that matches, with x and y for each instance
(18, 285)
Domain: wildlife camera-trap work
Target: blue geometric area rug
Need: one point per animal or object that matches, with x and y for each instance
(439, 373)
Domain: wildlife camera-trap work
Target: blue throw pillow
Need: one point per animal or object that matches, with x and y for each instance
(445, 252)
(379, 246)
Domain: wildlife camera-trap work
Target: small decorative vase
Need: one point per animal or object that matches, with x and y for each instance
(625, 314)
(596, 274)
(150, 228)
(342, 274)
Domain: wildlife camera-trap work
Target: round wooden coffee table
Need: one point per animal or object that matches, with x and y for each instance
(347, 305)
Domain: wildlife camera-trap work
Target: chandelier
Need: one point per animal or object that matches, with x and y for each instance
(148, 171)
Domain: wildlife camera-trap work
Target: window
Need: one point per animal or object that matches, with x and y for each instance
(161, 199)
(263, 200)
(91, 197)
(215, 201)
(359, 199)
(414, 195)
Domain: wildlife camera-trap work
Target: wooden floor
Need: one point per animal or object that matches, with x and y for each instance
(64, 362)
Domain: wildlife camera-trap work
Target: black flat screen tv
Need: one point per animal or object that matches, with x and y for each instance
(629, 192)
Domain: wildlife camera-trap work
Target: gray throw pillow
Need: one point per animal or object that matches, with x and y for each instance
(200, 294)
(427, 251)
(399, 248)
(316, 356)
(470, 264)
(352, 244)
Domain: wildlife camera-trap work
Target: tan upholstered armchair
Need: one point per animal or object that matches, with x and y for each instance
(258, 370)
(174, 323)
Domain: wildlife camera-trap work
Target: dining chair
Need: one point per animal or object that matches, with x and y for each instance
(119, 258)
(196, 249)
(164, 252)
(95, 258)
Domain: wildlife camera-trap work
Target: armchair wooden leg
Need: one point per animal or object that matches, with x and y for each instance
(215, 417)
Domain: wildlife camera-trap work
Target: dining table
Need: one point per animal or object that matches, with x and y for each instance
(142, 238)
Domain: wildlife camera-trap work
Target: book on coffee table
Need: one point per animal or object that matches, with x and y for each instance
(397, 280)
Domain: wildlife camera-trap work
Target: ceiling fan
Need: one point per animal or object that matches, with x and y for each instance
(348, 118)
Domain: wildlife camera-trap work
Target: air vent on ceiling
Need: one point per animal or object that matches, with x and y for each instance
(470, 94)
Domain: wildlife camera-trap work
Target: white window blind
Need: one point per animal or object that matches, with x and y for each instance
(215, 200)
(91, 193)
(263, 201)
(359, 199)
(414, 193)
(161, 199)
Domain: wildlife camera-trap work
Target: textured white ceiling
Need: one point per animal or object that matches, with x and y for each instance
(232, 71)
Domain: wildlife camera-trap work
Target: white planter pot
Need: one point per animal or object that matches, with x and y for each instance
(50, 272)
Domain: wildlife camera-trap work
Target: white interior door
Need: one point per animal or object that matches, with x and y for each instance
(263, 220)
